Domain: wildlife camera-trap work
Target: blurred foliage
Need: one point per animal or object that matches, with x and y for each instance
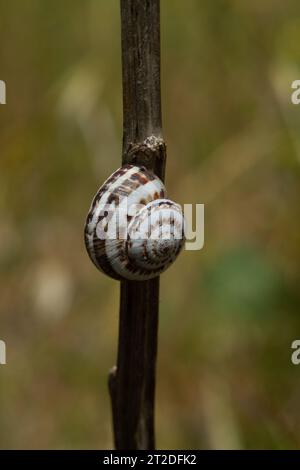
(230, 312)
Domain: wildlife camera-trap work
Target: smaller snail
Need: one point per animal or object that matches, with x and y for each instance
(133, 232)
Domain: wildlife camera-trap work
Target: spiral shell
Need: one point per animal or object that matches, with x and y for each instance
(132, 230)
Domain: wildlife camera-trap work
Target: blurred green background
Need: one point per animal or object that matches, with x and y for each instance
(228, 313)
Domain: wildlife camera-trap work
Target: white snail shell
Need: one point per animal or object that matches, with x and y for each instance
(147, 240)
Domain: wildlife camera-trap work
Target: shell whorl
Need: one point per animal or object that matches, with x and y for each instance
(132, 230)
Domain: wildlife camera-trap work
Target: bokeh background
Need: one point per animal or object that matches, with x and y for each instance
(228, 313)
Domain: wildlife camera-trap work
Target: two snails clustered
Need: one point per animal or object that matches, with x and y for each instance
(133, 232)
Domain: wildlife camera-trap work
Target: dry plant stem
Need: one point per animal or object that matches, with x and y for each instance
(132, 382)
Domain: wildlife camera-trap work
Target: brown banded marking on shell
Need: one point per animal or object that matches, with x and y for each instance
(132, 230)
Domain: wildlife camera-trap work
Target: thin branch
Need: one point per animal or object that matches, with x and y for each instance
(132, 382)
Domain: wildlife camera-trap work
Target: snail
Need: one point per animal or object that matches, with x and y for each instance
(133, 232)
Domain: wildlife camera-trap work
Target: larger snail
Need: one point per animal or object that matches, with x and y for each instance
(133, 232)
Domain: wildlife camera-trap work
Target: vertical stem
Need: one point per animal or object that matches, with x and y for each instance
(132, 382)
